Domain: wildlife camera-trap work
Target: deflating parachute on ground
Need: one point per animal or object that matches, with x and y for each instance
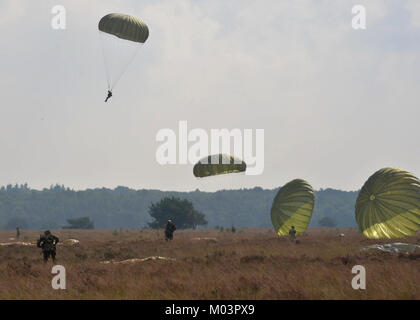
(388, 205)
(218, 164)
(293, 206)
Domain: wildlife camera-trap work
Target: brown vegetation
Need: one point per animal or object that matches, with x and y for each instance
(248, 264)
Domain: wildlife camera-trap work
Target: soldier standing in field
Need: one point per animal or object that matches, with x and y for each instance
(47, 242)
(169, 230)
(17, 232)
(292, 233)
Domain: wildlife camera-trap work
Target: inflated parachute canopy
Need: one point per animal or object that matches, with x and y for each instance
(218, 164)
(293, 206)
(388, 205)
(125, 27)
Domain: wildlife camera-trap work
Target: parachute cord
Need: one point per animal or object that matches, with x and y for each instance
(105, 63)
(125, 68)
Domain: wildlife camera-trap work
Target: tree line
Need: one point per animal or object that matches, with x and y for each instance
(127, 208)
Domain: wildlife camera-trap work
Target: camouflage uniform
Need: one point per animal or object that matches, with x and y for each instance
(47, 242)
(292, 233)
(169, 230)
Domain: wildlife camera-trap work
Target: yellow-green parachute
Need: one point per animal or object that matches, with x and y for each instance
(218, 164)
(293, 206)
(125, 27)
(388, 205)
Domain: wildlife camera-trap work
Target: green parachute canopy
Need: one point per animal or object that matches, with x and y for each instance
(218, 164)
(388, 205)
(293, 206)
(125, 27)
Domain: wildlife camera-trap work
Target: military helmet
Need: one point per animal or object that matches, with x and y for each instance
(47, 232)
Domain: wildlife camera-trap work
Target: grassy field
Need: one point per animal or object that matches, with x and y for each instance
(249, 264)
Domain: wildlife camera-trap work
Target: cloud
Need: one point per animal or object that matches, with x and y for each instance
(413, 7)
(10, 11)
(336, 104)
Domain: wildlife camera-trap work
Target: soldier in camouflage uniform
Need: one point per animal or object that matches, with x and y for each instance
(169, 230)
(292, 233)
(47, 242)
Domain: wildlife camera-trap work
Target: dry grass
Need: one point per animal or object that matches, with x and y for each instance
(250, 264)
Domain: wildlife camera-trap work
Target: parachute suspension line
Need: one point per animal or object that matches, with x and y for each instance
(126, 33)
(105, 62)
(117, 79)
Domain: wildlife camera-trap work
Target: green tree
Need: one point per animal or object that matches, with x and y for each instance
(181, 212)
(79, 223)
(327, 222)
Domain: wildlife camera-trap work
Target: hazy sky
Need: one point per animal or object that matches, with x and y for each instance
(336, 104)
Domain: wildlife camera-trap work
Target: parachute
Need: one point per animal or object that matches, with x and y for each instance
(122, 36)
(221, 171)
(218, 164)
(388, 205)
(125, 27)
(293, 206)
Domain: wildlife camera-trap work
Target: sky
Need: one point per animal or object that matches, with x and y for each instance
(336, 104)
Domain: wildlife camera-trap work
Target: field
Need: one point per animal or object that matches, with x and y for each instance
(208, 264)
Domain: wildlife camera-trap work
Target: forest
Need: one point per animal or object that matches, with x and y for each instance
(122, 207)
